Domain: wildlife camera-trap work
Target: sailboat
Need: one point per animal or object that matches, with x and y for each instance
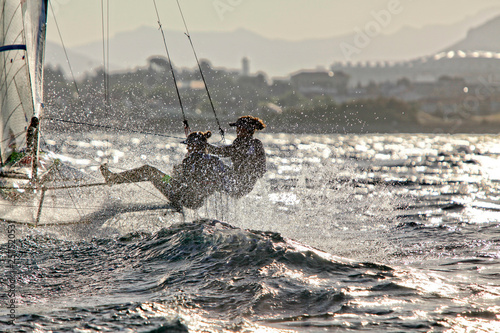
(22, 46)
(37, 189)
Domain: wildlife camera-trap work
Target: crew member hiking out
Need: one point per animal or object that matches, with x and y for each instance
(247, 156)
(196, 178)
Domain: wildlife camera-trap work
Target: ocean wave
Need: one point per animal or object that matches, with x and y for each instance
(210, 274)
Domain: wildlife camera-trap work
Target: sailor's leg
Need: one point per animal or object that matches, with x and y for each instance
(170, 189)
(141, 174)
(238, 187)
(181, 194)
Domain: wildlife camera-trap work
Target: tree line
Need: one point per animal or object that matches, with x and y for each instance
(146, 99)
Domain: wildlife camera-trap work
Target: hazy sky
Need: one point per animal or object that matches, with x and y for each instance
(80, 20)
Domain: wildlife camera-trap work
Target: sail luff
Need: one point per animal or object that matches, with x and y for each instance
(35, 17)
(22, 41)
(35, 21)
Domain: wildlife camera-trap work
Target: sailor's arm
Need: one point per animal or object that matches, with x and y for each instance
(224, 151)
(260, 155)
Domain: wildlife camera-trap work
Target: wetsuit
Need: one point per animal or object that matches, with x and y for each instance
(249, 164)
(197, 177)
(200, 176)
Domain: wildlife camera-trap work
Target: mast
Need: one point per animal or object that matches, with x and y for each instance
(35, 19)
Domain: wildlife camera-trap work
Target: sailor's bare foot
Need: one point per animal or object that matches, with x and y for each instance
(176, 207)
(109, 176)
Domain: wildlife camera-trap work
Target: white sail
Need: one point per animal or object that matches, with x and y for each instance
(22, 43)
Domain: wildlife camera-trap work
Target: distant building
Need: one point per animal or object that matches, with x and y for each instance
(450, 87)
(473, 67)
(245, 66)
(280, 86)
(320, 82)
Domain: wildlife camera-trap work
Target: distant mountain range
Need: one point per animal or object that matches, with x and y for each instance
(485, 37)
(278, 57)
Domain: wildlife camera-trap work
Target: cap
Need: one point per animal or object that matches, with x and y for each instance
(249, 122)
(197, 137)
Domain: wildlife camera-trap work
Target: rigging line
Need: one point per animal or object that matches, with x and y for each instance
(201, 71)
(112, 128)
(107, 52)
(15, 137)
(185, 122)
(105, 76)
(66, 54)
(73, 201)
(44, 224)
(52, 207)
(67, 207)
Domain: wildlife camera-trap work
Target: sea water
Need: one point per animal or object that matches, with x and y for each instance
(376, 233)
